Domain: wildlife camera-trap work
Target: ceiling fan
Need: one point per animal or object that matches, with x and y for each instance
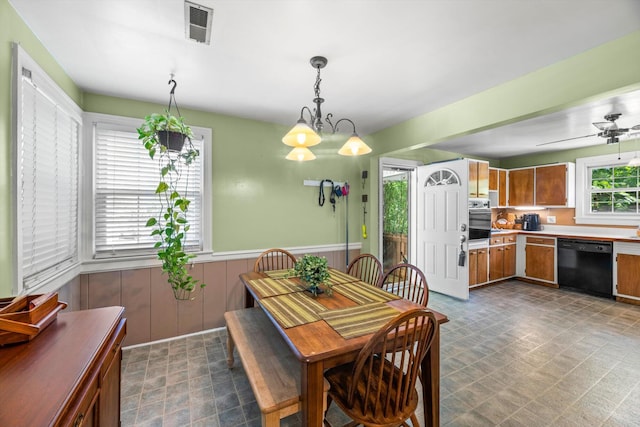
(608, 130)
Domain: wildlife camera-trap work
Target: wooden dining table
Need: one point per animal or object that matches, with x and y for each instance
(319, 347)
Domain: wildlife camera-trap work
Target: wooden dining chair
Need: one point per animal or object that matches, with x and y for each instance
(274, 259)
(367, 268)
(407, 281)
(379, 387)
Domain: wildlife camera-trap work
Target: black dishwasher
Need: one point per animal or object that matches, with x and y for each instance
(586, 266)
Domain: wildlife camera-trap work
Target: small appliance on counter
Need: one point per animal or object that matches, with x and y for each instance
(531, 222)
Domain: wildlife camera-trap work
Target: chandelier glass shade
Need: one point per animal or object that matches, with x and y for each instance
(301, 154)
(301, 135)
(354, 147)
(306, 134)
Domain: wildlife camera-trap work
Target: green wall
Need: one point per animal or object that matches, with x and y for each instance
(259, 200)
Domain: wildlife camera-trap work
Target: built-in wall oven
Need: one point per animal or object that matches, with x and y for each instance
(479, 219)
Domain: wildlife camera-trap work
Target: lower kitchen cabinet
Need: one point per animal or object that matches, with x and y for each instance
(478, 264)
(502, 257)
(626, 270)
(628, 277)
(540, 258)
(509, 265)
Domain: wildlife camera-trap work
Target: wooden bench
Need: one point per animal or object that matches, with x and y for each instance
(272, 369)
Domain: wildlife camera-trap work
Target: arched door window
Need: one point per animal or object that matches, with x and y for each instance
(442, 177)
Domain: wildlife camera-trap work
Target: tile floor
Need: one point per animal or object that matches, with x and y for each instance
(515, 354)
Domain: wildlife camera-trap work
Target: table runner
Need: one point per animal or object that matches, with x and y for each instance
(280, 274)
(269, 287)
(337, 277)
(293, 309)
(364, 293)
(360, 320)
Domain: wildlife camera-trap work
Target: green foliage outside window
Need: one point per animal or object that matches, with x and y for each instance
(615, 189)
(395, 207)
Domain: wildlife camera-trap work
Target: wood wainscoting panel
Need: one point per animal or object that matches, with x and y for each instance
(84, 291)
(70, 293)
(164, 307)
(190, 312)
(104, 289)
(214, 305)
(136, 298)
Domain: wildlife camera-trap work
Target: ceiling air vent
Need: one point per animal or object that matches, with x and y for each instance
(198, 22)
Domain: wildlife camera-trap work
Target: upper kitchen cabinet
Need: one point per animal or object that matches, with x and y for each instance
(555, 185)
(549, 186)
(478, 179)
(498, 187)
(521, 191)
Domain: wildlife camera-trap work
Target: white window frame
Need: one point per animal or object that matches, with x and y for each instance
(88, 214)
(66, 272)
(583, 191)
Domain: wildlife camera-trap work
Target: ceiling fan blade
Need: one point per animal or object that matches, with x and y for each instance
(566, 139)
(606, 125)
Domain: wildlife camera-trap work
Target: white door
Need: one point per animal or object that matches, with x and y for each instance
(442, 219)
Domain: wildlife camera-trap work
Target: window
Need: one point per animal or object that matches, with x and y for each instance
(47, 133)
(607, 190)
(125, 179)
(614, 189)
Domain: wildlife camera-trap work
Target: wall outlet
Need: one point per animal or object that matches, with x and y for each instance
(551, 219)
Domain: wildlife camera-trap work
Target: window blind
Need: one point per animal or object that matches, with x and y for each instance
(47, 184)
(125, 182)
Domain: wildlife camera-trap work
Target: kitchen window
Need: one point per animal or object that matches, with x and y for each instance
(125, 179)
(608, 190)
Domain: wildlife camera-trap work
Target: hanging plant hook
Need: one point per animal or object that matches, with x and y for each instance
(172, 96)
(175, 83)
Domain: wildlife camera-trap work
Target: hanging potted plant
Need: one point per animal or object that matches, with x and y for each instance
(313, 271)
(164, 130)
(171, 225)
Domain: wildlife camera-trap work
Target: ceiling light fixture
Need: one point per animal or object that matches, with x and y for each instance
(307, 134)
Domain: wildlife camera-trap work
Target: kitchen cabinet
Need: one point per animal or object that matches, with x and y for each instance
(540, 258)
(498, 187)
(549, 185)
(478, 266)
(555, 185)
(502, 257)
(626, 275)
(68, 375)
(478, 179)
(521, 191)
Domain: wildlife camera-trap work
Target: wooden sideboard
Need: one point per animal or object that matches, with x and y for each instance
(68, 375)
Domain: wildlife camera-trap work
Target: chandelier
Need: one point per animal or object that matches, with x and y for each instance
(307, 134)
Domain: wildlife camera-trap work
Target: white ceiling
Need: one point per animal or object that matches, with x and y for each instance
(389, 60)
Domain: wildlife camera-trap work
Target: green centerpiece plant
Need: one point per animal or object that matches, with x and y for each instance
(314, 271)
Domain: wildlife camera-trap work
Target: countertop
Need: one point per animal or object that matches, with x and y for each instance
(597, 233)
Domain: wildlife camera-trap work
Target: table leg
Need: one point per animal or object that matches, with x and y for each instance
(230, 346)
(248, 298)
(312, 387)
(431, 382)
